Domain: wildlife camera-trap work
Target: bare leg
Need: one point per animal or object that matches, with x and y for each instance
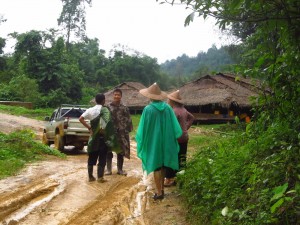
(163, 173)
(158, 180)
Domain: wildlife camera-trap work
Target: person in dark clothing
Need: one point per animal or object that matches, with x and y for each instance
(123, 125)
(100, 118)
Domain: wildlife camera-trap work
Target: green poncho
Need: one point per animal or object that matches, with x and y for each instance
(102, 126)
(156, 137)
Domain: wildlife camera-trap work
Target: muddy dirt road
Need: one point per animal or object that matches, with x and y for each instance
(56, 191)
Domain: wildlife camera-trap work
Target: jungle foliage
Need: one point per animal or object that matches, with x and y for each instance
(41, 70)
(253, 177)
(211, 62)
(65, 66)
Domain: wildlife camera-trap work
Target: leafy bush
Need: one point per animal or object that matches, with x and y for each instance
(242, 179)
(19, 148)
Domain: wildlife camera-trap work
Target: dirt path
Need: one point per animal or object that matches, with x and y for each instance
(56, 191)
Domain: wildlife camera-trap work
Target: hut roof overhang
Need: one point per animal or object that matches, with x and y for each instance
(219, 89)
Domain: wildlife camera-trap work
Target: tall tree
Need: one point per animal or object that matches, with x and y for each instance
(72, 18)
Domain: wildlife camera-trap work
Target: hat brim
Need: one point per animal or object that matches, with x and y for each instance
(146, 93)
(175, 99)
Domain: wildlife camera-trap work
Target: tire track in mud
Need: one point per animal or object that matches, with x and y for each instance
(15, 200)
(58, 197)
(36, 199)
(114, 206)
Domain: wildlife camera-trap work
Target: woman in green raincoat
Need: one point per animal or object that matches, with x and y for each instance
(156, 137)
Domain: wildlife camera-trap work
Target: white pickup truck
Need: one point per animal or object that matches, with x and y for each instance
(63, 128)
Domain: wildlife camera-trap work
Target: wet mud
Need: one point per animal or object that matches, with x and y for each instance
(57, 192)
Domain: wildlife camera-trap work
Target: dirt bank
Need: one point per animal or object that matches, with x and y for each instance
(56, 191)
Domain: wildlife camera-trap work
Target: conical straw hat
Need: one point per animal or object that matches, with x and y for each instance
(175, 96)
(153, 92)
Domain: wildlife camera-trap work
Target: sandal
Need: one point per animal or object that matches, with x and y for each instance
(158, 197)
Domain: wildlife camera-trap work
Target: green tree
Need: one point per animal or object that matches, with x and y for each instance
(72, 19)
(28, 52)
(24, 89)
(89, 57)
(53, 68)
(2, 59)
(186, 68)
(125, 66)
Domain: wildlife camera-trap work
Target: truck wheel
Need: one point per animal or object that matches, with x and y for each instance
(59, 142)
(45, 140)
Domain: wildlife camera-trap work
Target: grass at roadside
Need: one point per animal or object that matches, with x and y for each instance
(38, 114)
(19, 148)
(135, 122)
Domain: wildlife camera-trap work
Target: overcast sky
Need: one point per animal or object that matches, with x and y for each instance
(143, 25)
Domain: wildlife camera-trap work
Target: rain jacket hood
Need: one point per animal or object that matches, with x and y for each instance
(159, 105)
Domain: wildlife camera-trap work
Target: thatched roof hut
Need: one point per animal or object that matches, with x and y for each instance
(218, 89)
(221, 95)
(130, 96)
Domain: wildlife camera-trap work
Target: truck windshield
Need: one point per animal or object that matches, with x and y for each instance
(74, 113)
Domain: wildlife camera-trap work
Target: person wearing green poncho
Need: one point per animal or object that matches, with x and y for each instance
(156, 137)
(102, 136)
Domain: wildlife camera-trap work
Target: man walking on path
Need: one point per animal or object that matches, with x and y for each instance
(123, 125)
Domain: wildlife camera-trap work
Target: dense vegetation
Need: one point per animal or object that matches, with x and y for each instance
(49, 76)
(253, 177)
(211, 62)
(19, 148)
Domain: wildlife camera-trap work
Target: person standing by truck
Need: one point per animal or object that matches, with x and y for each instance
(123, 125)
(98, 144)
